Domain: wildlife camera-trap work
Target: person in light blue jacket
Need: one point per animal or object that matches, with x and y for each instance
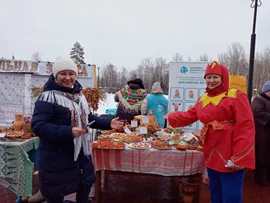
(156, 102)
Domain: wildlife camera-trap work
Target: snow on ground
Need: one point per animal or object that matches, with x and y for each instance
(109, 103)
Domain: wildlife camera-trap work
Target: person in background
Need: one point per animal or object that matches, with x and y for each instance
(227, 136)
(261, 111)
(156, 102)
(60, 116)
(130, 99)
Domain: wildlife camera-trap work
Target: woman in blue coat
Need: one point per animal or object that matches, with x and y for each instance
(156, 102)
(59, 119)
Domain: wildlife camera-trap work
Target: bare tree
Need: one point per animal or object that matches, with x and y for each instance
(123, 77)
(145, 70)
(132, 75)
(109, 75)
(36, 56)
(261, 68)
(204, 57)
(177, 57)
(235, 59)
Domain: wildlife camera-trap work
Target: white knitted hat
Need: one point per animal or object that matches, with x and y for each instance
(64, 63)
(156, 88)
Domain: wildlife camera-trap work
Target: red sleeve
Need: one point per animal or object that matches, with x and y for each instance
(181, 119)
(244, 133)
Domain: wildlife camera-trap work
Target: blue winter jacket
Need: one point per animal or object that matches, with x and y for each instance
(59, 174)
(159, 104)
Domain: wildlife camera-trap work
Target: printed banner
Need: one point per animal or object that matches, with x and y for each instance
(239, 82)
(186, 85)
(40, 68)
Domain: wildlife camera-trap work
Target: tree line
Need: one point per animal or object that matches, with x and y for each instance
(151, 70)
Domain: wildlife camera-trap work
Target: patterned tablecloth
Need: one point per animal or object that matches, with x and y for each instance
(152, 161)
(16, 167)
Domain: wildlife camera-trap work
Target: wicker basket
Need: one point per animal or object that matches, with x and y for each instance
(189, 186)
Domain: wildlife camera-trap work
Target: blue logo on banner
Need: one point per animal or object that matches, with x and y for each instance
(184, 69)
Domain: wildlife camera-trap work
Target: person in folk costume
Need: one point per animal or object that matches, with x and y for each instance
(130, 99)
(227, 135)
(59, 118)
(261, 111)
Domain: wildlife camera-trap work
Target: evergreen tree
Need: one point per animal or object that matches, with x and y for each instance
(77, 53)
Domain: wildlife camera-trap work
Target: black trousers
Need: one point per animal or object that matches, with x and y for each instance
(262, 171)
(81, 196)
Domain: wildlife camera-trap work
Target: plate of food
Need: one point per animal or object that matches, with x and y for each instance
(14, 134)
(132, 139)
(158, 144)
(106, 144)
(139, 145)
(104, 137)
(118, 136)
(181, 147)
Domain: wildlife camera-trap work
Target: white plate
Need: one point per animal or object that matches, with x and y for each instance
(131, 145)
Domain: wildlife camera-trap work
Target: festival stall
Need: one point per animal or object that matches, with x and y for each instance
(21, 82)
(142, 147)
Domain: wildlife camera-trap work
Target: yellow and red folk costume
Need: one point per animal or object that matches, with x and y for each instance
(228, 132)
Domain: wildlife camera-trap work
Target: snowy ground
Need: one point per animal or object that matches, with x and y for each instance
(108, 104)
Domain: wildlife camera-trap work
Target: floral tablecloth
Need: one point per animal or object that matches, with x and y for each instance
(16, 167)
(152, 161)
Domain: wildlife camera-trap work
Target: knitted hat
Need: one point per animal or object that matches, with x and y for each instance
(64, 63)
(156, 88)
(266, 87)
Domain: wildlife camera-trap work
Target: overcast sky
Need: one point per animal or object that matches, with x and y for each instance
(123, 32)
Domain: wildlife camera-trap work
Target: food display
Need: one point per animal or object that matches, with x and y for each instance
(108, 132)
(14, 134)
(191, 139)
(150, 136)
(107, 144)
(104, 137)
(199, 148)
(118, 135)
(131, 139)
(140, 145)
(158, 144)
(174, 130)
(181, 147)
(191, 147)
(164, 137)
(26, 135)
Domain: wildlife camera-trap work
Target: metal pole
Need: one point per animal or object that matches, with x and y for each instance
(98, 77)
(255, 4)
